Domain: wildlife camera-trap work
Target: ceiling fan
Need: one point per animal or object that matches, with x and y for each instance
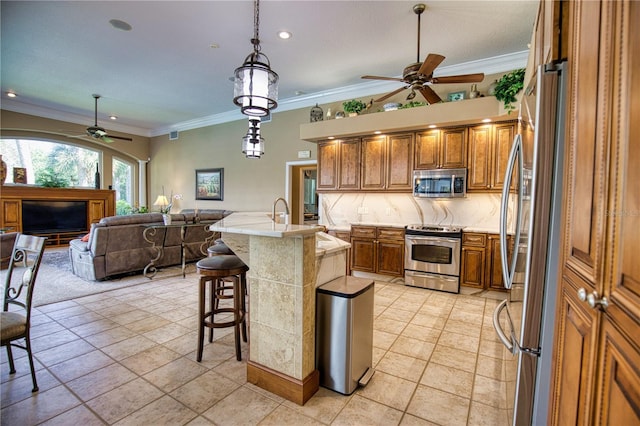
(419, 75)
(98, 132)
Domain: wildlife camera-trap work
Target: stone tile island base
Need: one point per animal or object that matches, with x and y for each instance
(282, 286)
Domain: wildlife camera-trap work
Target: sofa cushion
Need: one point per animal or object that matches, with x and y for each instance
(132, 219)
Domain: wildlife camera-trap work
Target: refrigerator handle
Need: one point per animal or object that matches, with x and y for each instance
(507, 270)
(496, 325)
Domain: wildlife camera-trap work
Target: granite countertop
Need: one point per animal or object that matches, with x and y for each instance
(260, 223)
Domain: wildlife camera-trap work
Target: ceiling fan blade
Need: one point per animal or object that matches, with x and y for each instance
(431, 96)
(374, 77)
(117, 137)
(465, 78)
(390, 94)
(430, 64)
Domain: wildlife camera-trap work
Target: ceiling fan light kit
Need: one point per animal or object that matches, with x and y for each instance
(419, 76)
(98, 132)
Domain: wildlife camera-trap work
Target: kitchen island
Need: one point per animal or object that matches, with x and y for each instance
(282, 281)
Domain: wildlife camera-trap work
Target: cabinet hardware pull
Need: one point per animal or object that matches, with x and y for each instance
(595, 302)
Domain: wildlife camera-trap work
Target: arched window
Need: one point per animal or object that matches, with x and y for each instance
(50, 163)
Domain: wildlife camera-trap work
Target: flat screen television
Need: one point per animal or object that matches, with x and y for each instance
(48, 217)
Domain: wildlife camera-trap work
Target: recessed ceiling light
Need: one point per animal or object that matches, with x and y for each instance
(331, 137)
(432, 126)
(120, 25)
(284, 35)
(214, 45)
(486, 120)
(11, 94)
(113, 117)
(377, 132)
(299, 92)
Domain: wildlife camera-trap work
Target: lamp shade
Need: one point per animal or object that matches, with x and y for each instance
(161, 201)
(252, 142)
(255, 88)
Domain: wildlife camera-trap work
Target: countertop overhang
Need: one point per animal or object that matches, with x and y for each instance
(260, 223)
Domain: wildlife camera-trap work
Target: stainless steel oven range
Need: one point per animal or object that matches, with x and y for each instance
(432, 257)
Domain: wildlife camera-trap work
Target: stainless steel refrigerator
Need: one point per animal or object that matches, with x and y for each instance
(524, 321)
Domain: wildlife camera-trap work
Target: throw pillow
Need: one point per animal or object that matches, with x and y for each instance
(85, 239)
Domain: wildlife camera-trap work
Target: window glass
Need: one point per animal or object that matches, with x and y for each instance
(49, 163)
(123, 185)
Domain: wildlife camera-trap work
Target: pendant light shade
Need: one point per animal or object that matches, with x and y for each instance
(255, 88)
(253, 143)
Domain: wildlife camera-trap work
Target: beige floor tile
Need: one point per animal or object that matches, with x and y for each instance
(19, 388)
(448, 379)
(490, 367)
(283, 415)
(164, 411)
(459, 341)
(461, 327)
(438, 406)
(382, 339)
(70, 311)
(149, 323)
(43, 406)
(52, 340)
(396, 315)
(63, 352)
(100, 381)
(128, 347)
(456, 358)
(184, 344)
(363, 411)
(73, 321)
(489, 391)
(81, 365)
(429, 320)
(94, 327)
(149, 359)
(492, 348)
(242, 407)
(460, 314)
(131, 316)
(420, 332)
(57, 306)
(43, 329)
(410, 420)
(484, 415)
(412, 347)
(389, 325)
(175, 374)
(232, 369)
(200, 421)
(166, 333)
(389, 390)
(109, 337)
(204, 391)
(324, 406)
(124, 400)
(79, 415)
(406, 367)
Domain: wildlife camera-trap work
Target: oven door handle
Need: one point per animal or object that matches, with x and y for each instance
(432, 239)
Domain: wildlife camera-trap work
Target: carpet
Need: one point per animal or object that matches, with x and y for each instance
(56, 282)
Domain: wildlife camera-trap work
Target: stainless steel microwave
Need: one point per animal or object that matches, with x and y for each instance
(440, 183)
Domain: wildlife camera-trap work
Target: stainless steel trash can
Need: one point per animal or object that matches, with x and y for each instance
(344, 333)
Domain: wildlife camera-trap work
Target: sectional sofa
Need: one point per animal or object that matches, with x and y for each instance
(117, 245)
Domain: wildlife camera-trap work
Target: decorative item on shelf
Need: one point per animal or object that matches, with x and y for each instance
(456, 96)
(3, 170)
(353, 107)
(329, 114)
(316, 114)
(97, 182)
(508, 87)
(413, 104)
(391, 106)
(339, 114)
(474, 91)
(256, 84)
(492, 88)
(19, 175)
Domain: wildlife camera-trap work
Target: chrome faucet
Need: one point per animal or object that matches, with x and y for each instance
(286, 208)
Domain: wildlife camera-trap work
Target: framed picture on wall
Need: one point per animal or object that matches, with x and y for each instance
(209, 184)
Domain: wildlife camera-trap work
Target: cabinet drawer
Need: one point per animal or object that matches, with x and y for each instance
(363, 232)
(390, 233)
(474, 239)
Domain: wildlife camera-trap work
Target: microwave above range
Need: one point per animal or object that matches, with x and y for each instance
(440, 183)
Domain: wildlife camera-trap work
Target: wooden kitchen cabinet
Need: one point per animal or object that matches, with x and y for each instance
(344, 236)
(339, 164)
(488, 155)
(473, 259)
(387, 162)
(441, 149)
(493, 271)
(377, 250)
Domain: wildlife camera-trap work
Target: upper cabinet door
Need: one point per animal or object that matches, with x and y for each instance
(374, 162)
(400, 162)
(349, 164)
(328, 165)
(453, 148)
(479, 173)
(426, 152)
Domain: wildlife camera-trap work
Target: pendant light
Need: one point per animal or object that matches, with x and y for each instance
(256, 85)
(253, 143)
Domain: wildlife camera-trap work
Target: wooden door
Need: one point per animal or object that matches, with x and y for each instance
(374, 162)
(328, 165)
(400, 162)
(426, 151)
(390, 257)
(472, 267)
(349, 164)
(503, 135)
(494, 263)
(95, 211)
(597, 351)
(453, 148)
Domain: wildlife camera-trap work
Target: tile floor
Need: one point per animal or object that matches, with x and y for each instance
(127, 357)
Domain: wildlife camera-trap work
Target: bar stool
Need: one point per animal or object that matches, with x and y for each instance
(214, 270)
(219, 249)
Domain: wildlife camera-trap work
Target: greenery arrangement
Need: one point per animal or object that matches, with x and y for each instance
(412, 104)
(354, 106)
(508, 86)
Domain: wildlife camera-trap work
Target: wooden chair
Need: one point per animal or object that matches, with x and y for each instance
(15, 318)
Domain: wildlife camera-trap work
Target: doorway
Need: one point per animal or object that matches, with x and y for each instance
(301, 188)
